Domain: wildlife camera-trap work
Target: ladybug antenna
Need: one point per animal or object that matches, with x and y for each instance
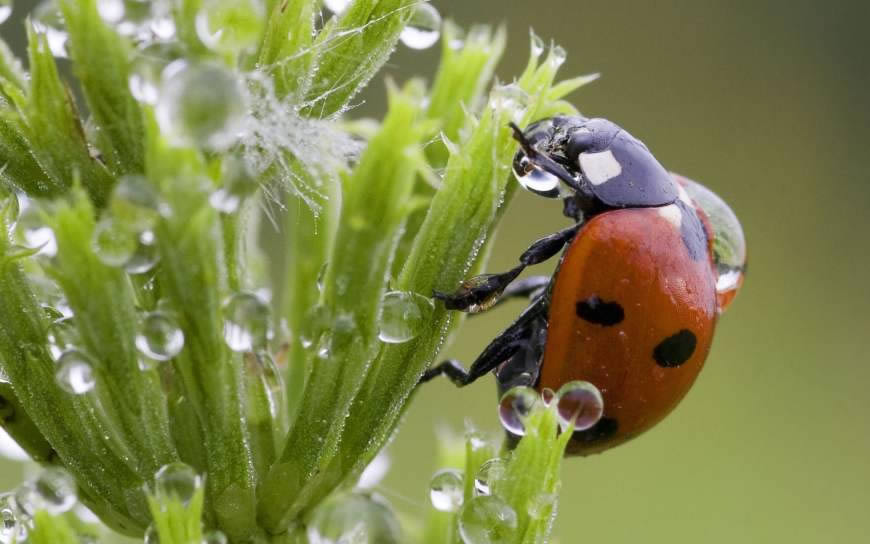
(542, 161)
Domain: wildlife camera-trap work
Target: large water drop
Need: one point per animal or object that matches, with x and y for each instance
(423, 28)
(487, 519)
(447, 490)
(404, 314)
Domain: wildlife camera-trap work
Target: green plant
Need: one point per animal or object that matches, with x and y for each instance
(215, 278)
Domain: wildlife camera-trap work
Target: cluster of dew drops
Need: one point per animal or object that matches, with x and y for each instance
(487, 518)
(53, 491)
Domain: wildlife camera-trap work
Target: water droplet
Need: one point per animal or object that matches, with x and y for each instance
(317, 319)
(423, 29)
(5, 10)
(48, 20)
(151, 536)
(159, 337)
(514, 407)
(336, 6)
(581, 403)
(224, 201)
(247, 324)
(177, 481)
(447, 490)
(537, 44)
(214, 537)
(75, 373)
(111, 11)
(557, 56)
(147, 68)
(512, 99)
(230, 25)
(403, 316)
(12, 526)
(535, 179)
(353, 518)
(135, 203)
(54, 491)
(729, 244)
(146, 255)
(163, 27)
(112, 242)
(200, 104)
(487, 520)
(541, 505)
(62, 334)
(238, 183)
(488, 474)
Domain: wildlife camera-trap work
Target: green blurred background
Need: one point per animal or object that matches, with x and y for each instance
(764, 102)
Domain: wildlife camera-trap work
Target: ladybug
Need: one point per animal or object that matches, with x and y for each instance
(650, 261)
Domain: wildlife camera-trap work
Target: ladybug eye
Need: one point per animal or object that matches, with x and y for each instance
(534, 179)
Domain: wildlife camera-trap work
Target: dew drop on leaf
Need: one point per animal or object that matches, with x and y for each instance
(514, 407)
(177, 480)
(488, 474)
(447, 490)
(200, 105)
(579, 402)
(113, 243)
(487, 520)
(159, 337)
(247, 322)
(353, 518)
(423, 28)
(53, 490)
(403, 316)
(75, 373)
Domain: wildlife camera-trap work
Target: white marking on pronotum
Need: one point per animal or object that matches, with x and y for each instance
(599, 167)
(684, 195)
(673, 214)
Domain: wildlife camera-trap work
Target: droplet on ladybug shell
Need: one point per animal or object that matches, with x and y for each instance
(729, 245)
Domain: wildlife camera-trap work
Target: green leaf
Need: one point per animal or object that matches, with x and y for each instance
(286, 50)
(100, 62)
(53, 128)
(350, 50)
(48, 529)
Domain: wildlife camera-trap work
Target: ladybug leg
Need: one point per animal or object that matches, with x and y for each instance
(524, 288)
(481, 292)
(503, 347)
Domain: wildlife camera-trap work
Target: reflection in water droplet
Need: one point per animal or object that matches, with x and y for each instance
(489, 473)
(112, 242)
(247, 323)
(447, 490)
(336, 6)
(159, 337)
(353, 518)
(514, 407)
(557, 56)
(54, 491)
(61, 335)
(177, 480)
(424, 27)
(200, 105)
(145, 257)
(581, 403)
(547, 395)
(403, 316)
(487, 520)
(214, 537)
(229, 25)
(75, 373)
(535, 179)
(729, 244)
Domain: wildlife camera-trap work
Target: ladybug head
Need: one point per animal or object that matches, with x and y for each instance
(591, 163)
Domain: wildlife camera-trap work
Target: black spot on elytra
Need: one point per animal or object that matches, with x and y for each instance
(604, 429)
(600, 312)
(7, 411)
(675, 350)
(692, 232)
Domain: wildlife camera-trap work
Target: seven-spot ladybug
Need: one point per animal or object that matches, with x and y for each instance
(651, 261)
